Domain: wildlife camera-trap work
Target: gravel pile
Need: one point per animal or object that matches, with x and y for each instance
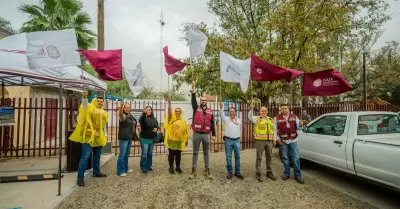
(159, 189)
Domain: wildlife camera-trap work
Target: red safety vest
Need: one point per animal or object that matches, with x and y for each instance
(284, 132)
(200, 123)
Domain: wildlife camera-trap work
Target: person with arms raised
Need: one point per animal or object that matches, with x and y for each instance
(91, 132)
(264, 137)
(232, 134)
(126, 134)
(202, 125)
(176, 135)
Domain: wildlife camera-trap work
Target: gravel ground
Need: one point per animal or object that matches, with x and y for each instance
(159, 189)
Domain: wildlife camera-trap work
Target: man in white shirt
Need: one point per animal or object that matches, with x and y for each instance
(232, 133)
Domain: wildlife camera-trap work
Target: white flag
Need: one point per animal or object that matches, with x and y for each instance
(235, 70)
(197, 42)
(48, 49)
(135, 79)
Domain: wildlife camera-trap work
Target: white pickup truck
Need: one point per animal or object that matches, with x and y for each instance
(365, 144)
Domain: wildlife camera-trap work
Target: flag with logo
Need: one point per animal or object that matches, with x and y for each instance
(50, 49)
(197, 42)
(135, 79)
(325, 83)
(172, 65)
(264, 71)
(235, 70)
(107, 63)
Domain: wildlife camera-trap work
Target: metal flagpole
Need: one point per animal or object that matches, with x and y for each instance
(162, 23)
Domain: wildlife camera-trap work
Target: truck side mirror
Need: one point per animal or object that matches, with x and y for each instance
(305, 130)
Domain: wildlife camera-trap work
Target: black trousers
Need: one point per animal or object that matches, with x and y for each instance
(174, 154)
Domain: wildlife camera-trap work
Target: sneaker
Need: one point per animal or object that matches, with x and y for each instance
(129, 171)
(208, 173)
(258, 177)
(80, 182)
(179, 170)
(239, 176)
(300, 180)
(171, 170)
(193, 174)
(271, 176)
(123, 174)
(229, 176)
(285, 177)
(100, 175)
(150, 170)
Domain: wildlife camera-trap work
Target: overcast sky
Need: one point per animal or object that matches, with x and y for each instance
(133, 25)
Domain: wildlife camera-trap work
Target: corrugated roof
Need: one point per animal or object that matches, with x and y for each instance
(6, 32)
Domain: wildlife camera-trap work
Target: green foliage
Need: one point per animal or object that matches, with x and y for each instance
(4, 23)
(302, 34)
(58, 15)
(149, 93)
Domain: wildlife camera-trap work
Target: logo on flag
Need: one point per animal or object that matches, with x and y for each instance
(259, 71)
(317, 83)
(52, 52)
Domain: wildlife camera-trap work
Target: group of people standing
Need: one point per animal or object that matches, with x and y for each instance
(268, 133)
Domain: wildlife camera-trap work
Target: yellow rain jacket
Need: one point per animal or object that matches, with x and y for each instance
(91, 123)
(176, 132)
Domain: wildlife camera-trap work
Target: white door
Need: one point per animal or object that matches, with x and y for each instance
(324, 141)
(377, 149)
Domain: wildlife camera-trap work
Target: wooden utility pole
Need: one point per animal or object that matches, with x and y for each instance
(365, 105)
(100, 30)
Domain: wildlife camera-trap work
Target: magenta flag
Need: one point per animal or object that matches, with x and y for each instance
(172, 65)
(263, 71)
(107, 63)
(325, 83)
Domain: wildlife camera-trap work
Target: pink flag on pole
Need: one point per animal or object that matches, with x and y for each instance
(107, 63)
(172, 65)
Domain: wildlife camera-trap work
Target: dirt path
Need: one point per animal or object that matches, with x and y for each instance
(160, 189)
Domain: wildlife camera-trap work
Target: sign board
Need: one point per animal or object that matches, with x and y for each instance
(136, 114)
(7, 116)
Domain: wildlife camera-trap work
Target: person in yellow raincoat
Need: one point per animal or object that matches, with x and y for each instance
(176, 133)
(91, 132)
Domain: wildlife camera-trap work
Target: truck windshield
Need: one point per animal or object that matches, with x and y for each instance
(378, 124)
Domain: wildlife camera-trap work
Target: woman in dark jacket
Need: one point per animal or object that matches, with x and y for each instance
(149, 128)
(126, 132)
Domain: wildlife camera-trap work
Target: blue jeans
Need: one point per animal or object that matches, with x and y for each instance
(235, 146)
(86, 152)
(291, 150)
(124, 152)
(146, 158)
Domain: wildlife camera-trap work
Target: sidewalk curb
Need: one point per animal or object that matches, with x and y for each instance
(88, 175)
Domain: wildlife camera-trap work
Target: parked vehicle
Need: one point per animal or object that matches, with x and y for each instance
(365, 144)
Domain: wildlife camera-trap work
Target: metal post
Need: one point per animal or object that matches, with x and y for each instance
(162, 23)
(365, 105)
(60, 125)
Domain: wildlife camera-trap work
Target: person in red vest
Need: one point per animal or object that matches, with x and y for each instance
(202, 126)
(286, 126)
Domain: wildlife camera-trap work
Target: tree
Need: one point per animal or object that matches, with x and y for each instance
(300, 34)
(149, 93)
(4, 23)
(58, 15)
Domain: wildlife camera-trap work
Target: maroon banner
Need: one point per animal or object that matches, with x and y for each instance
(107, 63)
(325, 83)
